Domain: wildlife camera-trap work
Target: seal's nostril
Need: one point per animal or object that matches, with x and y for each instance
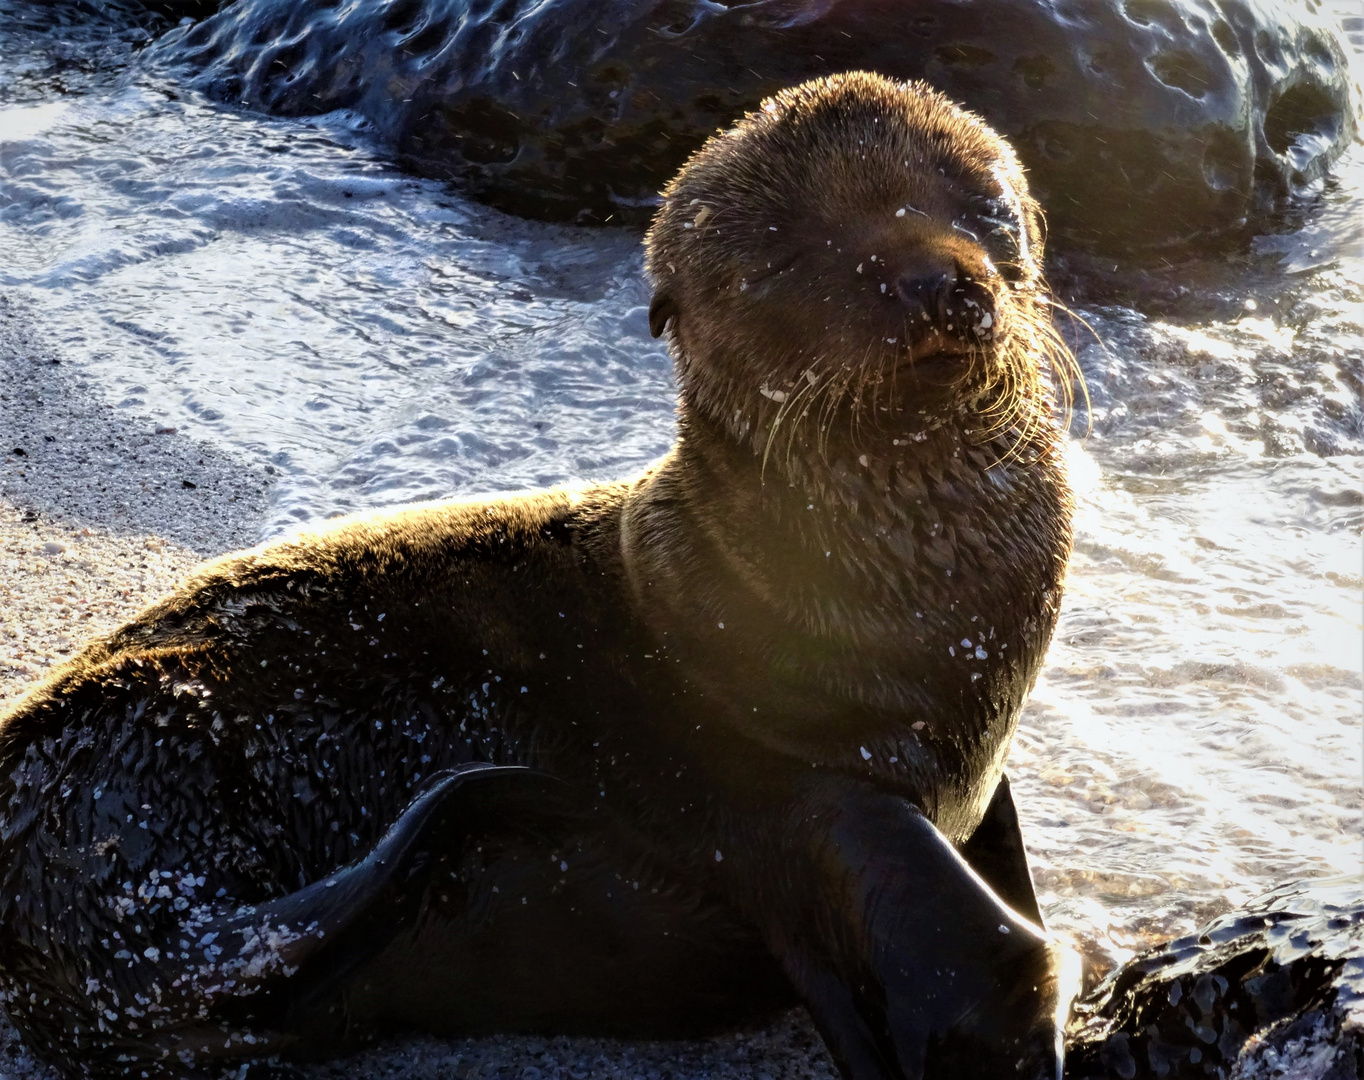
(951, 302)
(926, 295)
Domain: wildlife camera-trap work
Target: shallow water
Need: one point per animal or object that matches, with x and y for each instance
(276, 287)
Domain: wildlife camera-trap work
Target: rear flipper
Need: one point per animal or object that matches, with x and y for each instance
(359, 910)
(223, 982)
(995, 852)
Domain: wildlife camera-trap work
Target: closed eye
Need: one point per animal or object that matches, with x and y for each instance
(1000, 224)
(769, 271)
(1002, 232)
(996, 215)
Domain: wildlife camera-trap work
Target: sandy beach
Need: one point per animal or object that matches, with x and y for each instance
(101, 512)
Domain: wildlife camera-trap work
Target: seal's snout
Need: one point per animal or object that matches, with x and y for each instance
(950, 303)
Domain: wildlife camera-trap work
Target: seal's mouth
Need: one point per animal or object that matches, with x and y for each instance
(940, 357)
(941, 368)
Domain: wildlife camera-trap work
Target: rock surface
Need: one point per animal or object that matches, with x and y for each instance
(1141, 121)
(1274, 989)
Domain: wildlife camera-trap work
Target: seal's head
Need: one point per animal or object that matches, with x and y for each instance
(856, 244)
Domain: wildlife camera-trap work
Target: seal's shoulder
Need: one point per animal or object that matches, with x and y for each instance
(411, 543)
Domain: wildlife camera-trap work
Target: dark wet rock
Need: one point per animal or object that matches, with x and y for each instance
(182, 9)
(52, 50)
(1274, 989)
(1141, 121)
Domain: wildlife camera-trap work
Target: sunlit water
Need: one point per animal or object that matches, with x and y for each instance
(277, 287)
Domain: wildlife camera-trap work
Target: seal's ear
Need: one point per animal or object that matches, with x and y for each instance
(660, 311)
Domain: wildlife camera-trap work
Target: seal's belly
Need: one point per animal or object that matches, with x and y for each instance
(541, 934)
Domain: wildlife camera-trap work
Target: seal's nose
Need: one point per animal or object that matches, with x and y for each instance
(950, 302)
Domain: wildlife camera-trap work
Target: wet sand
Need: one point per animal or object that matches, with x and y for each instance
(789, 1050)
(100, 512)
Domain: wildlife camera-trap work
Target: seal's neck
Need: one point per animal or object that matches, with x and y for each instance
(838, 590)
(877, 520)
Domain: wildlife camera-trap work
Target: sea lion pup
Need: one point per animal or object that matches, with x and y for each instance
(643, 758)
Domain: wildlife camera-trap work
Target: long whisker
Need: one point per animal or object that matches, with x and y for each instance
(771, 437)
(784, 406)
(1071, 373)
(808, 391)
(835, 393)
(859, 393)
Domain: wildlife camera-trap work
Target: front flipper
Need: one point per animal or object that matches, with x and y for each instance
(995, 852)
(910, 964)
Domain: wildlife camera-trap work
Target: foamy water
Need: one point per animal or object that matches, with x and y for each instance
(277, 287)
